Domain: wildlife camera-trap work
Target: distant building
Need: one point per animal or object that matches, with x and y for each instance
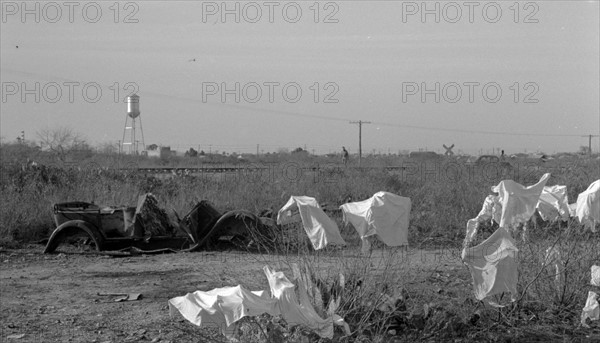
(160, 151)
(423, 155)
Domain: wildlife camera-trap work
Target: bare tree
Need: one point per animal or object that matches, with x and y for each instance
(61, 141)
(108, 147)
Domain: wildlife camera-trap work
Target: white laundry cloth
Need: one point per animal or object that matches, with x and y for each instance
(491, 210)
(553, 203)
(595, 276)
(591, 309)
(588, 205)
(384, 214)
(293, 311)
(493, 265)
(514, 204)
(321, 230)
(224, 306)
(518, 202)
(573, 209)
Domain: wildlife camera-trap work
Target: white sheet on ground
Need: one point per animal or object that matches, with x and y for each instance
(591, 309)
(321, 230)
(493, 265)
(553, 203)
(385, 215)
(224, 306)
(588, 206)
(518, 202)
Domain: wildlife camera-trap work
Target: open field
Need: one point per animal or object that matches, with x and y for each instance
(53, 298)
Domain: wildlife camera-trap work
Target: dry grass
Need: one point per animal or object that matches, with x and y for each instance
(430, 301)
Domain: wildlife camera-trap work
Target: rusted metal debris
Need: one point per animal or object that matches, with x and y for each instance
(148, 229)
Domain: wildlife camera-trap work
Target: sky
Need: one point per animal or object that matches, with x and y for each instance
(485, 76)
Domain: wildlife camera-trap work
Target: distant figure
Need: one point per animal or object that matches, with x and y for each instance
(345, 155)
(502, 157)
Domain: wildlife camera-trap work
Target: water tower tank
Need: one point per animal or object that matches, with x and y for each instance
(133, 106)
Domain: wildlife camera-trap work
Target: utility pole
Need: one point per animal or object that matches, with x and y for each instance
(590, 143)
(360, 124)
(257, 150)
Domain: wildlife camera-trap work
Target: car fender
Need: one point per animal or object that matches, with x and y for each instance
(69, 228)
(238, 216)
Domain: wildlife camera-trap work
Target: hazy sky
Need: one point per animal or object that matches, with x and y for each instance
(371, 61)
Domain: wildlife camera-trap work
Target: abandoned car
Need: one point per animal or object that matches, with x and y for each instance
(148, 227)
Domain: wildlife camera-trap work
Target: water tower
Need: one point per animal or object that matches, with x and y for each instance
(130, 132)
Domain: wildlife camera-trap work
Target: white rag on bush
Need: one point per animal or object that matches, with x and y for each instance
(554, 203)
(588, 206)
(300, 312)
(384, 214)
(321, 230)
(595, 276)
(225, 306)
(518, 202)
(591, 309)
(493, 265)
(491, 210)
(572, 209)
(513, 205)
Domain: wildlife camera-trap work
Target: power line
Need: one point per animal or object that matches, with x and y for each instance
(322, 117)
(483, 132)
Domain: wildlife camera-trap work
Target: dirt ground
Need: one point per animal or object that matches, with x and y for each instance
(54, 298)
